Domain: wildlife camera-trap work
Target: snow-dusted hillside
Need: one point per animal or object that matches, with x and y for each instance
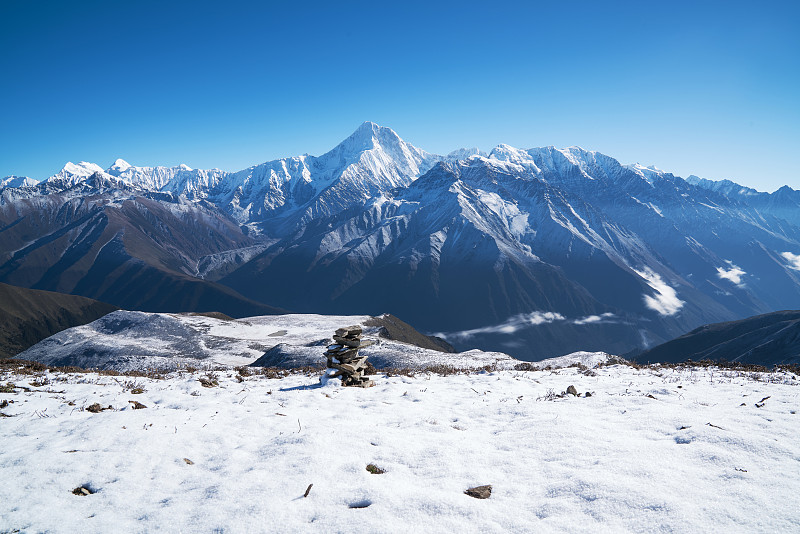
(127, 341)
(651, 450)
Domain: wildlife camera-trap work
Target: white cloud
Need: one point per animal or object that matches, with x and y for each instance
(665, 301)
(526, 320)
(733, 274)
(592, 319)
(793, 259)
(510, 326)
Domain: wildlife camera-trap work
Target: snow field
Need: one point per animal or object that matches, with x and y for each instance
(618, 461)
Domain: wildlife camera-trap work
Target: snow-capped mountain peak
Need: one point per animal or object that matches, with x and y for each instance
(372, 157)
(73, 173)
(82, 168)
(465, 153)
(118, 167)
(368, 136)
(17, 181)
(507, 153)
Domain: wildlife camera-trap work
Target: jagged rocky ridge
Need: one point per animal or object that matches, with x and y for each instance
(535, 252)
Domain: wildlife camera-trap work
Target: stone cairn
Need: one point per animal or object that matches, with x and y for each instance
(343, 356)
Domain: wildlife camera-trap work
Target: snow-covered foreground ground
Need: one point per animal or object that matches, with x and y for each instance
(670, 450)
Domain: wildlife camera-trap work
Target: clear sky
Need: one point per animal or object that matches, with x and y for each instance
(705, 88)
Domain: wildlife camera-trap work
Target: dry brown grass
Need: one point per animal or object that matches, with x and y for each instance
(439, 369)
(208, 381)
(27, 367)
(280, 372)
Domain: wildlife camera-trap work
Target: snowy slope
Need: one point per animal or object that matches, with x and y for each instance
(127, 340)
(652, 450)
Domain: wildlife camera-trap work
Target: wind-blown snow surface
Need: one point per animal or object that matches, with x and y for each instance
(672, 450)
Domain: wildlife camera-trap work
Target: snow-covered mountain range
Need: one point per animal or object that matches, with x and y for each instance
(535, 252)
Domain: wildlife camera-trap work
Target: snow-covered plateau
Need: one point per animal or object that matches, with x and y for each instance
(669, 449)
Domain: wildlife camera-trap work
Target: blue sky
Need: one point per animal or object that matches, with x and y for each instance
(692, 87)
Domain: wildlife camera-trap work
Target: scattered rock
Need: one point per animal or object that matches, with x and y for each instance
(137, 405)
(82, 491)
(480, 492)
(96, 408)
(4, 403)
(279, 333)
(375, 470)
(137, 391)
(572, 391)
(588, 394)
(350, 331)
(188, 461)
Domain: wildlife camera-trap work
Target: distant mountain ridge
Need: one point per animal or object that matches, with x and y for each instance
(27, 316)
(769, 339)
(537, 252)
(783, 203)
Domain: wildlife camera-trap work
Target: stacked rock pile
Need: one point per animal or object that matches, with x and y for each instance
(343, 356)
